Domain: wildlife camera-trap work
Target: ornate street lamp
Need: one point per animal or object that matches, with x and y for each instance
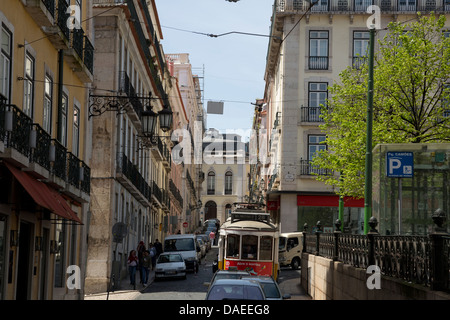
(148, 120)
(165, 119)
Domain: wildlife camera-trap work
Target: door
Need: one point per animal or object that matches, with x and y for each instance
(23, 269)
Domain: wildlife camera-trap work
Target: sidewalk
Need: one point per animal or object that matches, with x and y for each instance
(127, 292)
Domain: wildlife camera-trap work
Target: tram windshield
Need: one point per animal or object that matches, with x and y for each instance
(250, 248)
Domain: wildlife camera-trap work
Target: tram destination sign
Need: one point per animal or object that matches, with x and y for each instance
(250, 216)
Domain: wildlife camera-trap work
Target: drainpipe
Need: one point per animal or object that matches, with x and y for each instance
(60, 91)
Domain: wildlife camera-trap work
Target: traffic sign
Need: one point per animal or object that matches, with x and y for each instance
(119, 231)
(185, 224)
(399, 164)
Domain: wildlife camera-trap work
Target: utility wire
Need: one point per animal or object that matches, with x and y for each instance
(222, 34)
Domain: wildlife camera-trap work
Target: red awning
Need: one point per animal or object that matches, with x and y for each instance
(43, 195)
(328, 201)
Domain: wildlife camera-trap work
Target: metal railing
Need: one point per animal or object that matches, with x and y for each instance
(308, 169)
(17, 131)
(344, 6)
(423, 260)
(311, 114)
(131, 172)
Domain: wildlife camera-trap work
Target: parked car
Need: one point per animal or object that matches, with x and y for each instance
(170, 265)
(187, 246)
(270, 287)
(227, 274)
(235, 289)
(206, 240)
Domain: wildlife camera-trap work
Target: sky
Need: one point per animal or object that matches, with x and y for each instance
(233, 65)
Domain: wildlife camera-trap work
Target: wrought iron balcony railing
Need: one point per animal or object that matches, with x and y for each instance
(345, 6)
(311, 114)
(16, 130)
(29, 139)
(40, 153)
(127, 168)
(308, 169)
(317, 63)
(156, 191)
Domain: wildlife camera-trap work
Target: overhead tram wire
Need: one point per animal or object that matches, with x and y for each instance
(211, 35)
(45, 37)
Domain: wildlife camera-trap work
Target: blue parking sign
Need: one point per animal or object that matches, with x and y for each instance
(399, 164)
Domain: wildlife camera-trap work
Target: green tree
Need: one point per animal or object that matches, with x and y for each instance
(411, 101)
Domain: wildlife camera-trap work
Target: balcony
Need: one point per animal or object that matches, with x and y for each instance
(360, 6)
(161, 152)
(126, 87)
(129, 175)
(157, 195)
(307, 169)
(53, 18)
(310, 114)
(28, 146)
(42, 11)
(176, 193)
(318, 63)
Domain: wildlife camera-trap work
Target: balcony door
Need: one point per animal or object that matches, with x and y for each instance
(407, 5)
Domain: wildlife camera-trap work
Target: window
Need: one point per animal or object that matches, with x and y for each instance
(5, 63)
(233, 244)
(320, 5)
(361, 5)
(318, 50)
(228, 182)
(48, 98)
(317, 97)
(360, 45)
(76, 131)
(211, 183)
(249, 247)
(407, 5)
(28, 89)
(62, 132)
(265, 248)
(60, 255)
(315, 145)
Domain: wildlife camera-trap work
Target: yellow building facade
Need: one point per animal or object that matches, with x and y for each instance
(46, 65)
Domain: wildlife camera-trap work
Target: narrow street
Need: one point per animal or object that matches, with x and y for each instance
(193, 287)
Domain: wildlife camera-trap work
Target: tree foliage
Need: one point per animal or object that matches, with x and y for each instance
(411, 94)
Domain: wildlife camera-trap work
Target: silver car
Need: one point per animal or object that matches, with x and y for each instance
(235, 289)
(271, 289)
(170, 265)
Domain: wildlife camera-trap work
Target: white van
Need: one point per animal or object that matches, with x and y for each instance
(290, 249)
(187, 246)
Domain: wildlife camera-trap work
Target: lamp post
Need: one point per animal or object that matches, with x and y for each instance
(368, 167)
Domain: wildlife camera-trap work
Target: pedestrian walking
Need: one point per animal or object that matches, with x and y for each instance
(158, 247)
(140, 254)
(132, 263)
(146, 264)
(152, 250)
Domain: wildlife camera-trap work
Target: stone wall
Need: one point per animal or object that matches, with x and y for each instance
(325, 279)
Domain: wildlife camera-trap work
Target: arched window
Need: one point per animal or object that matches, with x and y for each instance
(228, 182)
(211, 183)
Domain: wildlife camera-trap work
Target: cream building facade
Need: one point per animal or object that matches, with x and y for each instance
(130, 170)
(308, 49)
(226, 168)
(189, 135)
(46, 67)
